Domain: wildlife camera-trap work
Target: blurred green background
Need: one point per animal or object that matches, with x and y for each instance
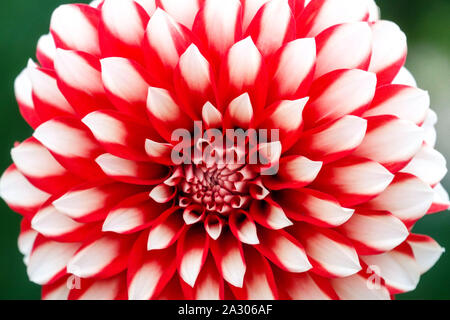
(426, 23)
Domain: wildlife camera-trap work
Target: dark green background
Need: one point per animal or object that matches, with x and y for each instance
(426, 23)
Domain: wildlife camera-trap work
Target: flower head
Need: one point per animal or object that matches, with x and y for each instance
(203, 149)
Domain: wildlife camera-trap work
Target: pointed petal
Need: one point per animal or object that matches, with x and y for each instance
(45, 51)
(426, 251)
(243, 227)
(165, 230)
(269, 214)
(357, 287)
(23, 90)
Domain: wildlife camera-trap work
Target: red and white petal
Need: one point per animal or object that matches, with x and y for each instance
(219, 26)
(113, 288)
(328, 13)
(149, 272)
(102, 257)
(79, 79)
(441, 200)
(353, 180)
(56, 291)
(13, 187)
(164, 43)
(119, 134)
(243, 227)
(330, 253)
(239, 113)
(345, 46)
(133, 214)
(211, 117)
(405, 102)
(405, 77)
(165, 114)
(374, 232)
(126, 84)
(209, 285)
(259, 281)
(165, 230)
(87, 203)
(339, 93)
(313, 207)
(23, 90)
(37, 164)
(305, 286)
(48, 260)
(298, 55)
(359, 287)
(429, 127)
(426, 251)
(286, 117)
(283, 250)
(269, 214)
(389, 51)
(408, 103)
(293, 172)
(45, 51)
(398, 268)
(272, 26)
(122, 29)
(243, 71)
(428, 164)
(183, 12)
(408, 198)
(148, 5)
(163, 193)
(74, 27)
(128, 171)
(73, 147)
(229, 257)
(192, 250)
(214, 226)
(194, 81)
(333, 141)
(57, 226)
(159, 152)
(390, 141)
(48, 100)
(26, 239)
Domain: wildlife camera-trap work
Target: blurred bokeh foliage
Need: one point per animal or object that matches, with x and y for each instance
(426, 23)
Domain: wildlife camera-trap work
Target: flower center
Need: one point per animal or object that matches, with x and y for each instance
(218, 188)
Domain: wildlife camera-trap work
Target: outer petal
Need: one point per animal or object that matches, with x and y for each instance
(330, 253)
(73, 147)
(333, 141)
(183, 12)
(353, 180)
(408, 103)
(359, 287)
(122, 29)
(398, 268)
(45, 51)
(441, 200)
(305, 286)
(23, 89)
(13, 187)
(408, 198)
(390, 141)
(426, 251)
(74, 27)
(345, 46)
(374, 232)
(273, 25)
(389, 51)
(428, 165)
(37, 164)
(328, 13)
(113, 288)
(79, 80)
(101, 258)
(92, 202)
(126, 83)
(48, 260)
(118, 134)
(337, 94)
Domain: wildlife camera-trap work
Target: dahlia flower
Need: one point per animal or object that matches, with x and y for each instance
(108, 213)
